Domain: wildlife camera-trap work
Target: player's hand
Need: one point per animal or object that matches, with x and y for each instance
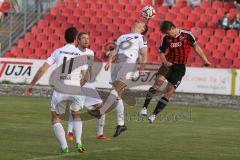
(207, 64)
(167, 64)
(28, 90)
(106, 67)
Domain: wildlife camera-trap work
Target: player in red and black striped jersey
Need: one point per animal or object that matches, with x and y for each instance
(177, 43)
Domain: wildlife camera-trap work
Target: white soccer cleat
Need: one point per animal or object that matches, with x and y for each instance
(143, 111)
(151, 118)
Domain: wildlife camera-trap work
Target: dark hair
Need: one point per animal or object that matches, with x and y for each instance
(166, 26)
(71, 34)
(146, 30)
(80, 35)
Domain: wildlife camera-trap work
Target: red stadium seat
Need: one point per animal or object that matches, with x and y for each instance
(210, 11)
(221, 11)
(61, 18)
(201, 24)
(227, 40)
(205, 18)
(28, 51)
(232, 33)
(78, 12)
(53, 38)
(95, 20)
(101, 13)
(15, 50)
(170, 16)
(118, 21)
(95, 33)
(107, 7)
(54, 11)
(46, 45)
(162, 9)
(48, 31)
(118, 7)
(90, 13)
(40, 51)
(180, 17)
(235, 48)
(193, 18)
(214, 39)
(54, 24)
(230, 55)
(84, 20)
(188, 24)
(22, 43)
(218, 53)
(228, 5)
(101, 27)
(49, 17)
(113, 28)
(8, 55)
(29, 36)
(205, 5)
(42, 23)
(211, 46)
(222, 47)
(35, 44)
(203, 38)
(186, 10)
(72, 20)
(36, 30)
(124, 15)
(96, 6)
(41, 37)
(217, 5)
(208, 32)
(219, 33)
(125, 28)
(225, 63)
(198, 11)
(107, 20)
(236, 63)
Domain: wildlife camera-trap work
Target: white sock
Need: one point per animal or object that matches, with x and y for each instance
(120, 112)
(70, 124)
(100, 125)
(60, 134)
(109, 102)
(77, 126)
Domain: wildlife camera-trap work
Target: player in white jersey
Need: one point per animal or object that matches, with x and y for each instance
(68, 76)
(89, 102)
(128, 49)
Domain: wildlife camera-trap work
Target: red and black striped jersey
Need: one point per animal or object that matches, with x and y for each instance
(178, 48)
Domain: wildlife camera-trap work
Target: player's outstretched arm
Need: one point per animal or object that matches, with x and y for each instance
(144, 52)
(86, 76)
(38, 75)
(199, 51)
(112, 56)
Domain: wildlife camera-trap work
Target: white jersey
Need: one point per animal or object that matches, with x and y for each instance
(129, 47)
(60, 56)
(90, 55)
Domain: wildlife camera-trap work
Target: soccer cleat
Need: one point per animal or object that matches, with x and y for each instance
(80, 148)
(119, 130)
(95, 113)
(65, 150)
(102, 137)
(151, 118)
(69, 136)
(143, 111)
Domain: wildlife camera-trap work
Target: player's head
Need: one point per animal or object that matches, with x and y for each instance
(140, 27)
(168, 28)
(83, 40)
(71, 34)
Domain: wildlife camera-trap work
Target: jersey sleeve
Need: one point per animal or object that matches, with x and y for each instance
(191, 39)
(53, 58)
(142, 42)
(164, 45)
(119, 41)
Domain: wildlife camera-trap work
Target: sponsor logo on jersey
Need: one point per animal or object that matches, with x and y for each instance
(174, 45)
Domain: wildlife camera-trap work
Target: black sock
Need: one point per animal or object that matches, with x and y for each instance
(149, 96)
(161, 105)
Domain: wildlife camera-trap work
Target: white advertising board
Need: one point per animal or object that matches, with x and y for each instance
(196, 80)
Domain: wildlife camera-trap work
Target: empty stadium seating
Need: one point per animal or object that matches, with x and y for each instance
(107, 19)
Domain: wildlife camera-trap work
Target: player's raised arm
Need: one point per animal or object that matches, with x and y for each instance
(199, 51)
(85, 75)
(112, 56)
(38, 75)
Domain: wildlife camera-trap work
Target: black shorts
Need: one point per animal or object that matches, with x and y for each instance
(173, 74)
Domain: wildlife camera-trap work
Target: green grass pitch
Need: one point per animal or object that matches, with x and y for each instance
(181, 133)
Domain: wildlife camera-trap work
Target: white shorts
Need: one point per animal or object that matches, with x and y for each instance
(61, 101)
(123, 71)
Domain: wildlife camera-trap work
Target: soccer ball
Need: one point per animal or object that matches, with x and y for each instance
(148, 12)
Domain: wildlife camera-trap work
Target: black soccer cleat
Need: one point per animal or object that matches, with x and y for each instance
(119, 130)
(95, 113)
